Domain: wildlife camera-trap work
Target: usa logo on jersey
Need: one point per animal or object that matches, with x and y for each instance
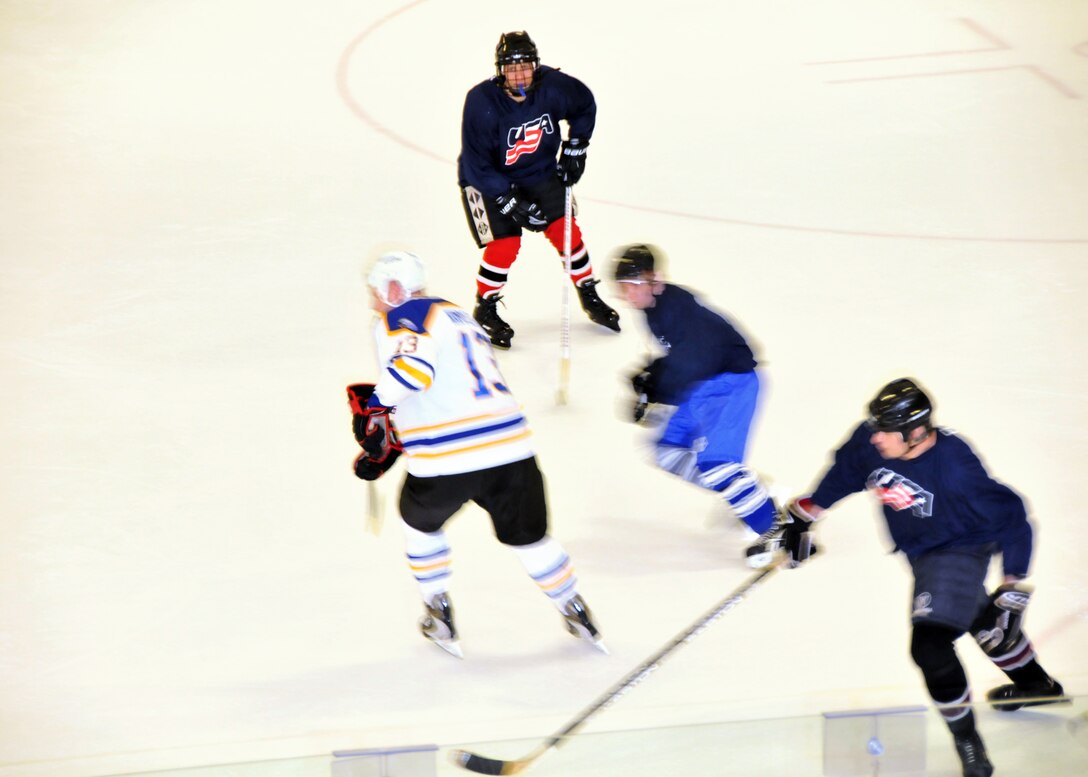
(899, 493)
(526, 138)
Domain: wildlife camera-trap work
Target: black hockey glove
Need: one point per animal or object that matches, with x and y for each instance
(572, 161)
(642, 383)
(797, 532)
(525, 214)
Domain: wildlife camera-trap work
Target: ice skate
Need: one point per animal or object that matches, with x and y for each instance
(972, 755)
(763, 548)
(597, 309)
(1010, 697)
(487, 316)
(577, 619)
(437, 624)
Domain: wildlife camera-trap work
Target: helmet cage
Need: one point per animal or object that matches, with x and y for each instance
(515, 48)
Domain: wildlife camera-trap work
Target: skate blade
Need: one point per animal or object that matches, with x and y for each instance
(583, 635)
(451, 646)
(760, 560)
(611, 327)
(1013, 706)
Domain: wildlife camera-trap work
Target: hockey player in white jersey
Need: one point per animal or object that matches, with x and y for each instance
(464, 438)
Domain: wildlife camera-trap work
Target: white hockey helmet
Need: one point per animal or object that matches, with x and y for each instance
(403, 267)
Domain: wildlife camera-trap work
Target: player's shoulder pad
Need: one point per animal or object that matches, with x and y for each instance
(483, 89)
(680, 297)
(955, 443)
(952, 439)
(415, 315)
(860, 435)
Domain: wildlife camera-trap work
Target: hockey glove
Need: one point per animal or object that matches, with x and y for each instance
(642, 383)
(358, 396)
(572, 161)
(522, 212)
(367, 468)
(797, 532)
(373, 429)
(997, 631)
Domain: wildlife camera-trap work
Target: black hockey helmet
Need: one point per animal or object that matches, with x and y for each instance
(635, 260)
(901, 406)
(515, 47)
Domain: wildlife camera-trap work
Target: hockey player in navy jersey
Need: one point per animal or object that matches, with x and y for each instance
(709, 374)
(464, 438)
(511, 180)
(949, 517)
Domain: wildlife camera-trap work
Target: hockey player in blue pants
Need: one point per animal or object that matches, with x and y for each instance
(709, 374)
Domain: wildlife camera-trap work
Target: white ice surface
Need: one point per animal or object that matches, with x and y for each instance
(189, 192)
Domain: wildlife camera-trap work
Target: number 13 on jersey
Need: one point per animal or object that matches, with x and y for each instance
(485, 370)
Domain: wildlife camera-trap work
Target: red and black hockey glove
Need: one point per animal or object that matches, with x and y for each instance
(374, 431)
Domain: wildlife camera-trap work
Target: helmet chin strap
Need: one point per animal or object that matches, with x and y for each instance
(912, 445)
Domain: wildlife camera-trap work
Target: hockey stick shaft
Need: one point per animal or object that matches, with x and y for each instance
(375, 511)
(564, 321)
(482, 765)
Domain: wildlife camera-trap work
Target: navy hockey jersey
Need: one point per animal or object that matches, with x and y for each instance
(700, 343)
(942, 499)
(504, 142)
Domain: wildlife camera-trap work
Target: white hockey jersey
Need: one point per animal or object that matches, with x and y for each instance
(454, 412)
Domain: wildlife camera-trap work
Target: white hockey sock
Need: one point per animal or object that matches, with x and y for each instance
(549, 565)
(745, 493)
(429, 560)
(679, 461)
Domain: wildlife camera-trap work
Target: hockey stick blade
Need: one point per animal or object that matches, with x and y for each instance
(564, 380)
(483, 765)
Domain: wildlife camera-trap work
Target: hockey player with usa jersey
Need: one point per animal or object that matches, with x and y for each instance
(511, 180)
(949, 517)
(464, 438)
(709, 373)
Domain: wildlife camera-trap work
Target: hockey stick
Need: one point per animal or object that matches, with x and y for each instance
(564, 321)
(375, 510)
(483, 765)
